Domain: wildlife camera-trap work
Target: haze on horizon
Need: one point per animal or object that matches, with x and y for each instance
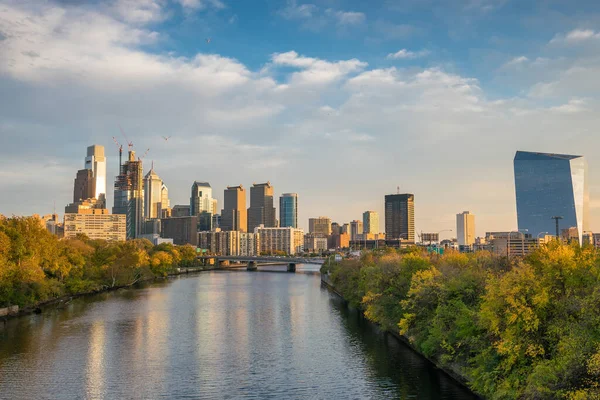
(338, 101)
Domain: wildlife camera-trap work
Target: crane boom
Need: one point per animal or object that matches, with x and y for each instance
(129, 143)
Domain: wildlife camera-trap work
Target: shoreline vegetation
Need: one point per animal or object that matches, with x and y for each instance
(38, 269)
(526, 328)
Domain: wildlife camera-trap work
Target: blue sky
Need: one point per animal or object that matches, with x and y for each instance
(339, 101)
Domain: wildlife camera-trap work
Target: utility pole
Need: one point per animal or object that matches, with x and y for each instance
(557, 230)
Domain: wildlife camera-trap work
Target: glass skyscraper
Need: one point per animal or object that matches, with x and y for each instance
(288, 210)
(551, 185)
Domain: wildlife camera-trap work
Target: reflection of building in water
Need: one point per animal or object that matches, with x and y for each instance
(94, 373)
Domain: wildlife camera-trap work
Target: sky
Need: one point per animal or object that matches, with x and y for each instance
(340, 101)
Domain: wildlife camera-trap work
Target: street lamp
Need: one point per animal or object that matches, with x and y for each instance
(544, 233)
(438, 235)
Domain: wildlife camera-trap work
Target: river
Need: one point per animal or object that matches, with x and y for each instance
(213, 335)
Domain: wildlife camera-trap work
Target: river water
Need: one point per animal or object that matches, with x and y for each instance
(214, 335)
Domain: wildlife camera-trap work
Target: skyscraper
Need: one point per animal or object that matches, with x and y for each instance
(165, 203)
(356, 228)
(233, 214)
(261, 211)
(152, 194)
(551, 185)
(321, 226)
(201, 199)
(288, 210)
(84, 187)
(96, 162)
(400, 216)
(465, 228)
(370, 222)
(129, 195)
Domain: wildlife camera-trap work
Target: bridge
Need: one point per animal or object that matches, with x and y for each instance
(252, 261)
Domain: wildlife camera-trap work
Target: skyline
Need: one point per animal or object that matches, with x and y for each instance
(436, 111)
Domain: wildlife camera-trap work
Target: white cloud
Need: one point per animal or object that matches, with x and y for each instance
(295, 11)
(201, 4)
(314, 70)
(516, 61)
(140, 11)
(576, 36)
(573, 106)
(347, 17)
(405, 54)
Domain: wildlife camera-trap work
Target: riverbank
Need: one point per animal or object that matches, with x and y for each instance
(326, 281)
(62, 301)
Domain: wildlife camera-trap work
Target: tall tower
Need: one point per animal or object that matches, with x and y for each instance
(129, 195)
(165, 203)
(288, 210)
(370, 222)
(356, 228)
(152, 194)
(550, 185)
(261, 211)
(233, 214)
(400, 216)
(96, 162)
(201, 199)
(84, 187)
(320, 226)
(465, 228)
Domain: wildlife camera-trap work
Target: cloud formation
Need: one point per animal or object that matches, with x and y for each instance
(404, 54)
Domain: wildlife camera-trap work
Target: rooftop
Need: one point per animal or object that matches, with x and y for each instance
(533, 156)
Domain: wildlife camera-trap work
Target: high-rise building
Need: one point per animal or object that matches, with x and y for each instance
(153, 186)
(129, 195)
(234, 214)
(400, 216)
(84, 187)
(96, 162)
(465, 228)
(551, 185)
(370, 222)
(183, 230)
(320, 225)
(261, 211)
(96, 225)
(180, 210)
(165, 203)
(315, 242)
(287, 240)
(345, 229)
(288, 210)
(336, 229)
(356, 229)
(201, 199)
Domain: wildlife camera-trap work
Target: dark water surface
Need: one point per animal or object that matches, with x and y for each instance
(214, 335)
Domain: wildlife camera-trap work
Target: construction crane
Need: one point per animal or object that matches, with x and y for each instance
(129, 143)
(120, 151)
(142, 157)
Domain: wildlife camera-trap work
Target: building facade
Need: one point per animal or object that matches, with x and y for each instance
(315, 243)
(320, 226)
(551, 185)
(165, 203)
(84, 186)
(371, 222)
(180, 210)
(400, 217)
(261, 211)
(288, 210)
(356, 229)
(101, 226)
(234, 216)
(96, 162)
(465, 229)
(287, 240)
(153, 186)
(129, 195)
(229, 243)
(183, 230)
(201, 199)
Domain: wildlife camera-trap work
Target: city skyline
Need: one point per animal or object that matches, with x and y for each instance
(266, 107)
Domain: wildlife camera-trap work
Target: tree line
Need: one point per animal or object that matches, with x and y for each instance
(37, 266)
(513, 329)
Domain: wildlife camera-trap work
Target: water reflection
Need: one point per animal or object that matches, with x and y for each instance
(214, 335)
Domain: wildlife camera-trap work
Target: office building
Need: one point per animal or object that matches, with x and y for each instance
(234, 214)
(180, 210)
(201, 199)
(84, 186)
(400, 217)
(229, 243)
(129, 195)
(370, 222)
(183, 230)
(514, 243)
(320, 225)
(287, 240)
(465, 228)
(340, 241)
(153, 187)
(356, 230)
(95, 161)
(336, 229)
(249, 244)
(88, 206)
(551, 185)
(216, 221)
(288, 210)
(345, 229)
(315, 243)
(205, 221)
(261, 211)
(165, 203)
(101, 226)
